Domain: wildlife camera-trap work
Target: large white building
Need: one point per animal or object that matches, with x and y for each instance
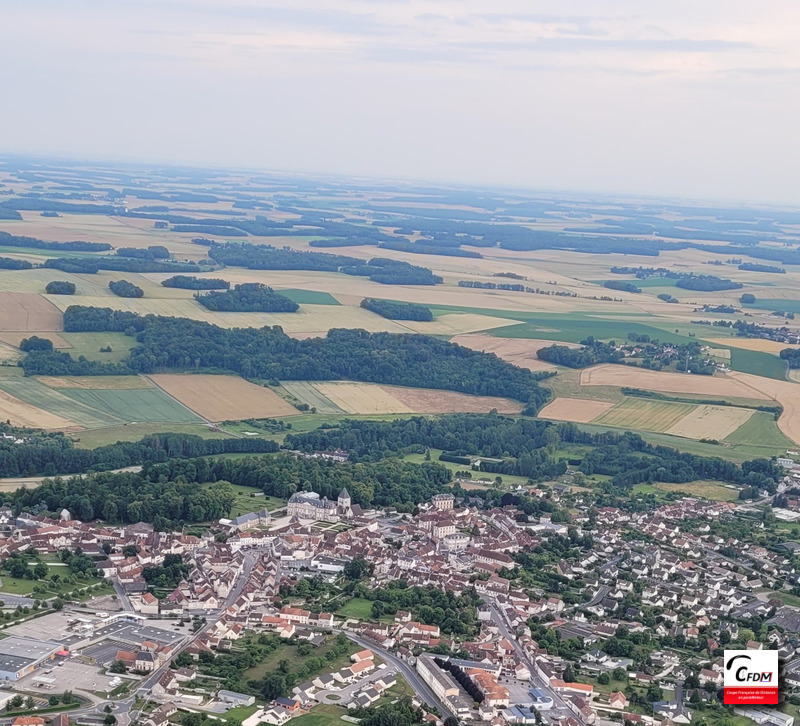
(309, 505)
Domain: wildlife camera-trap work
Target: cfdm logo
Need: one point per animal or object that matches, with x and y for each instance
(751, 677)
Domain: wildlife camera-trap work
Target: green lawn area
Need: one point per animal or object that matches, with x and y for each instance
(761, 430)
(507, 478)
(309, 297)
(289, 652)
(358, 607)
(16, 587)
(758, 363)
(322, 715)
(246, 503)
(787, 598)
(133, 432)
(240, 713)
(89, 344)
(703, 488)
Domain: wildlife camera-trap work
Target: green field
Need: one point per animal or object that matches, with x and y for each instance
(760, 430)
(775, 305)
(133, 432)
(322, 715)
(758, 363)
(305, 392)
(137, 405)
(309, 297)
(706, 489)
(356, 608)
(89, 344)
(54, 401)
(644, 414)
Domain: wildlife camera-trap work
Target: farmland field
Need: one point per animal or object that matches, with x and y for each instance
(617, 375)
(701, 488)
(21, 413)
(519, 351)
(578, 410)
(143, 405)
(89, 344)
(223, 398)
(374, 399)
(96, 382)
(710, 422)
(28, 311)
(757, 344)
(308, 297)
(644, 414)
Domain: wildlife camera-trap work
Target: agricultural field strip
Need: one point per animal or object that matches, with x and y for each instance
(577, 410)
(710, 422)
(135, 405)
(638, 413)
(305, 392)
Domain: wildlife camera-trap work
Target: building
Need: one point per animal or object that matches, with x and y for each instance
(308, 505)
(443, 501)
(21, 656)
(235, 699)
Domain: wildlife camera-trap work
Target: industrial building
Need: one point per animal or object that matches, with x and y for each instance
(21, 656)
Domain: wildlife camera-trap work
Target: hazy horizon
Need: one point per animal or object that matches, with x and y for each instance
(608, 98)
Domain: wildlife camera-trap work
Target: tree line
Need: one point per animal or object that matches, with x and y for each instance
(190, 282)
(92, 265)
(13, 240)
(394, 310)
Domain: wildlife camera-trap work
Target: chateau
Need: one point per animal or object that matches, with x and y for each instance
(309, 505)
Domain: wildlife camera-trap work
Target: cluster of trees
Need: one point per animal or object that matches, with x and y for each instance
(35, 343)
(404, 359)
(153, 252)
(755, 267)
(454, 614)
(747, 298)
(123, 288)
(592, 353)
(249, 297)
(267, 257)
(791, 356)
(706, 283)
(13, 240)
(54, 453)
(428, 247)
(127, 498)
(393, 272)
(621, 285)
(168, 574)
(396, 713)
(627, 458)
(9, 263)
(60, 287)
(190, 282)
(57, 363)
(397, 310)
(666, 297)
(91, 265)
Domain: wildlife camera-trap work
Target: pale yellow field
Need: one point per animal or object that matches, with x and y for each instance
(9, 354)
(20, 413)
(617, 375)
(763, 346)
(223, 398)
(577, 410)
(519, 351)
(787, 393)
(371, 398)
(794, 374)
(96, 383)
(28, 311)
(710, 422)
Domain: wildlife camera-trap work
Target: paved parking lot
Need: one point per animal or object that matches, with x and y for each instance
(106, 651)
(72, 676)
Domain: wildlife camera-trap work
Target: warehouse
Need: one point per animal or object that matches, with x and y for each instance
(21, 656)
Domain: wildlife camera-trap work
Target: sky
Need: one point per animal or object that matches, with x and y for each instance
(682, 98)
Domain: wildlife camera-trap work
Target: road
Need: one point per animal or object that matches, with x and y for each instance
(421, 689)
(124, 707)
(500, 621)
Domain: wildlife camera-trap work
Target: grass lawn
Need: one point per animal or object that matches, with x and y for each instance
(358, 607)
(322, 715)
(246, 503)
(240, 713)
(16, 587)
(133, 432)
(476, 475)
(309, 297)
(787, 598)
(89, 344)
(702, 488)
(288, 652)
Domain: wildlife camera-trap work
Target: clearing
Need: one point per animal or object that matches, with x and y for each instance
(577, 410)
(710, 422)
(223, 398)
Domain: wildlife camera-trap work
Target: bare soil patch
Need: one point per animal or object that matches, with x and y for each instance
(577, 410)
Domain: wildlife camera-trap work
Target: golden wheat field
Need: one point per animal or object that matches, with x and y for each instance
(710, 422)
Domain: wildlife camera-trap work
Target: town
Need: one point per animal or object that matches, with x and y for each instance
(479, 614)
